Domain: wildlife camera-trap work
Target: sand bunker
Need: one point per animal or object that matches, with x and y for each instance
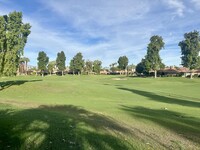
(119, 78)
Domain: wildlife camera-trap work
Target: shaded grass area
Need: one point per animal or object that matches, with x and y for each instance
(7, 84)
(164, 99)
(59, 127)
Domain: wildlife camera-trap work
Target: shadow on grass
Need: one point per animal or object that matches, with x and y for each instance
(164, 99)
(7, 84)
(187, 127)
(59, 127)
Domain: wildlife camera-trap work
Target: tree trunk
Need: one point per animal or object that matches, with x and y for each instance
(26, 68)
(42, 73)
(191, 75)
(62, 72)
(155, 74)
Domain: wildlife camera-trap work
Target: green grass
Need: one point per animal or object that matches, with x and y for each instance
(99, 112)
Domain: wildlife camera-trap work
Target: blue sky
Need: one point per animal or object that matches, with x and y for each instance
(105, 30)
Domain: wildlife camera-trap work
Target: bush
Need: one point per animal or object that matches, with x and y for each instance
(195, 76)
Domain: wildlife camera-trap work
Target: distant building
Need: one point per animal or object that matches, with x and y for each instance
(105, 72)
(177, 71)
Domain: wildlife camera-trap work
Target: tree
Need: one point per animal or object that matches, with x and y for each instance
(35, 70)
(72, 66)
(51, 66)
(142, 67)
(199, 61)
(88, 66)
(42, 61)
(24, 62)
(77, 63)
(190, 48)
(97, 66)
(123, 62)
(131, 68)
(152, 59)
(13, 37)
(113, 67)
(60, 61)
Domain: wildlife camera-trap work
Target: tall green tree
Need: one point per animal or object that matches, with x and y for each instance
(43, 60)
(97, 66)
(60, 61)
(13, 37)
(88, 66)
(123, 62)
(77, 63)
(3, 41)
(51, 65)
(190, 48)
(152, 59)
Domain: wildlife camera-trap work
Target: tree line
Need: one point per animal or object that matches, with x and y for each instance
(77, 64)
(14, 34)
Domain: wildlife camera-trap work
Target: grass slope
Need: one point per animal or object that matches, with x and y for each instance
(99, 112)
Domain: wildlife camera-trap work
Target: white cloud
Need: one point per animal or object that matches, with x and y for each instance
(196, 3)
(110, 21)
(43, 39)
(106, 30)
(102, 13)
(178, 5)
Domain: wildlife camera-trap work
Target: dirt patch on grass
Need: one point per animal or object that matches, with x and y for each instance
(119, 78)
(20, 104)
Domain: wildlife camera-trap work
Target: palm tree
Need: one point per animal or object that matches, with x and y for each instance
(25, 60)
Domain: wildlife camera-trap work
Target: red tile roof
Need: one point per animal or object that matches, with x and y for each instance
(183, 69)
